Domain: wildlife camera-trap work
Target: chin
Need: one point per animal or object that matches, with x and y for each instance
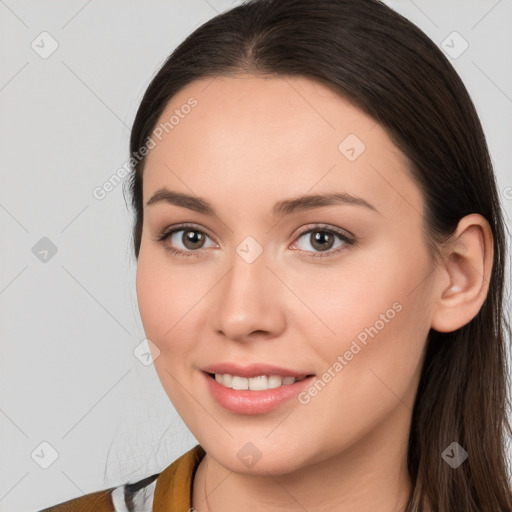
(258, 458)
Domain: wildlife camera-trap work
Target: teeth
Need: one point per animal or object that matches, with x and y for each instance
(239, 382)
(260, 383)
(274, 381)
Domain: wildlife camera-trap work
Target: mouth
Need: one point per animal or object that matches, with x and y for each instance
(256, 383)
(255, 394)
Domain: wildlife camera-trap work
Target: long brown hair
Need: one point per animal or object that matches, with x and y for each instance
(391, 70)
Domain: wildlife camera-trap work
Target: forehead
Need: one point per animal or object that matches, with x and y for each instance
(295, 109)
(268, 134)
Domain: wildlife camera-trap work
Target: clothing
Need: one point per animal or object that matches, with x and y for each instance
(167, 491)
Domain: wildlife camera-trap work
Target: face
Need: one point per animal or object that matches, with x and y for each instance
(336, 290)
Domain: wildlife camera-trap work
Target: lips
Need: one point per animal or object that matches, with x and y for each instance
(253, 402)
(255, 370)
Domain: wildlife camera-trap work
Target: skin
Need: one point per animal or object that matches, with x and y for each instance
(250, 142)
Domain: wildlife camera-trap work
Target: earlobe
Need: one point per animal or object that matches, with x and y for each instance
(467, 269)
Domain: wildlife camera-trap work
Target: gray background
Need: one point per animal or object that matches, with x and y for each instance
(70, 323)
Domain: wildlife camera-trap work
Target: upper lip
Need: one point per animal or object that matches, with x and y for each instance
(254, 370)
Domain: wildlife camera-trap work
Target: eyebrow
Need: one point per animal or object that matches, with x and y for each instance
(281, 208)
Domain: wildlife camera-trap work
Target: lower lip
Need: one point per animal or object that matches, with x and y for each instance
(246, 401)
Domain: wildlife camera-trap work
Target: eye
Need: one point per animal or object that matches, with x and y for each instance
(191, 239)
(322, 238)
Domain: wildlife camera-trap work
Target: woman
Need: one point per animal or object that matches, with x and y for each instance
(365, 375)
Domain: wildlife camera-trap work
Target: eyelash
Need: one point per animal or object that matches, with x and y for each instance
(166, 233)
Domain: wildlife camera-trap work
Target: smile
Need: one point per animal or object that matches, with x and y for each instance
(258, 383)
(254, 395)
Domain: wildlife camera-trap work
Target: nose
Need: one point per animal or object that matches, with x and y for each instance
(250, 301)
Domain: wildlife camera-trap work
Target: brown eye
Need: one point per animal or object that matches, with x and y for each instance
(192, 239)
(184, 240)
(323, 240)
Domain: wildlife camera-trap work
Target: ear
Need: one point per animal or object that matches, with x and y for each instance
(466, 271)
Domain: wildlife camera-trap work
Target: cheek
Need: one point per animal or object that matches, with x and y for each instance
(371, 367)
(374, 312)
(159, 297)
(170, 305)
(151, 298)
(365, 289)
(163, 306)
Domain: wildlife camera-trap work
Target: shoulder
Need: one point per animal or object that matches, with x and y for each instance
(100, 501)
(171, 485)
(135, 496)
